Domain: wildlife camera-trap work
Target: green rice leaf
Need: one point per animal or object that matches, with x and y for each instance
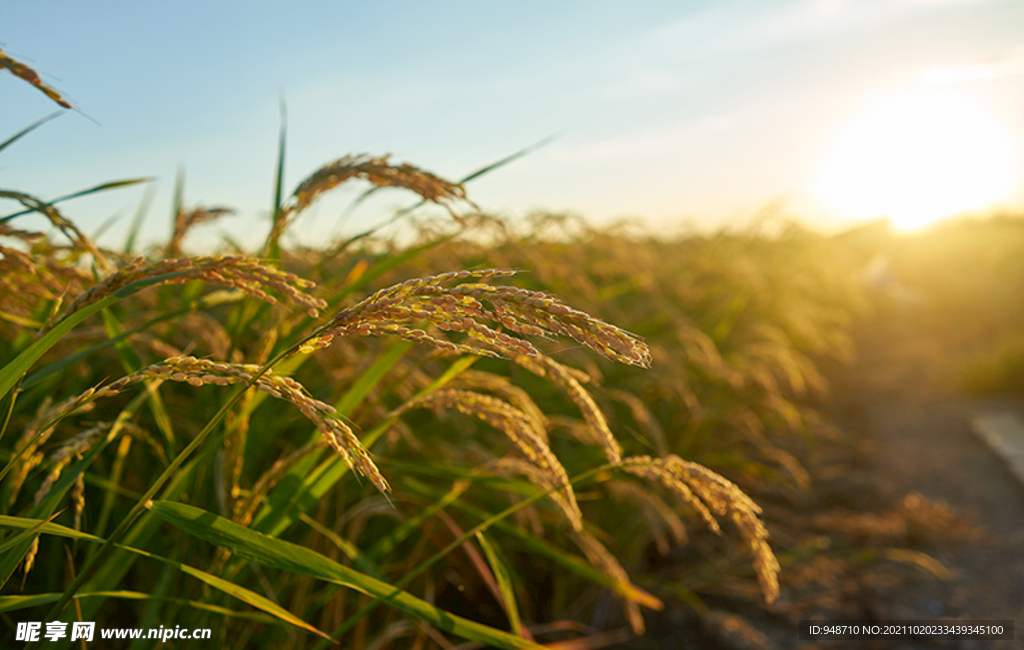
(279, 554)
(239, 592)
(504, 579)
(14, 603)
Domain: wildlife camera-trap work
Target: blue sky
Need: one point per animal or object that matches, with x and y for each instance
(666, 110)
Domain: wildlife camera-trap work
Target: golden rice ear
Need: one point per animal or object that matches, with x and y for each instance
(79, 239)
(467, 308)
(512, 466)
(710, 494)
(64, 454)
(186, 219)
(379, 172)
(503, 388)
(563, 376)
(22, 71)
(517, 427)
(199, 372)
(243, 273)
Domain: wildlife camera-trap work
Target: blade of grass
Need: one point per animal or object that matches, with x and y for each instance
(276, 553)
(140, 215)
(504, 579)
(14, 603)
(272, 247)
(29, 533)
(28, 129)
(102, 187)
(105, 226)
(237, 591)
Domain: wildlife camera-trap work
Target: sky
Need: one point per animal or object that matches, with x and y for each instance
(699, 113)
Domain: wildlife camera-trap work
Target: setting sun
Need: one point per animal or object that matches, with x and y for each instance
(918, 157)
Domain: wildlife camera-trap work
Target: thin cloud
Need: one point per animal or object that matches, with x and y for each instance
(1011, 65)
(640, 145)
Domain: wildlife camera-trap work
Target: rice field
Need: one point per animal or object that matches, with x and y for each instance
(484, 433)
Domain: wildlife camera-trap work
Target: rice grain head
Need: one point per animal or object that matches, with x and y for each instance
(547, 367)
(22, 71)
(248, 275)
(200, 372)
(517, 427)
(710, 494)
(468, 307)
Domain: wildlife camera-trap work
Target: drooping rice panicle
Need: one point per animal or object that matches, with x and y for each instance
(29, 279)
(199, 372)
(547, 367)
(377, 171)
(708, 492)
(30, 556)
(503, 388)
(78, 501)
(186, 219)
(245, 274)
(513, 466)
(22, 71)
(27, 236)
(66, 226)
(463, 308)
(516, 426)
(64, 454)
(38, 432)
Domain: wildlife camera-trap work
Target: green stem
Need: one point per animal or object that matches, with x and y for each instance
(10, 411)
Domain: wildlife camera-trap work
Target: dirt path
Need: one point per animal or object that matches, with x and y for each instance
(916, 427)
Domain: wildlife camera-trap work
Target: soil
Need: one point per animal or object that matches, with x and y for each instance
(911, 515)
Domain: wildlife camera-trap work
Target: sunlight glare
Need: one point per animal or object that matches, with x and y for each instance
(917, 157)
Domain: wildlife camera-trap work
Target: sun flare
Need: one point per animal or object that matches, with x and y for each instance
(918, 157)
